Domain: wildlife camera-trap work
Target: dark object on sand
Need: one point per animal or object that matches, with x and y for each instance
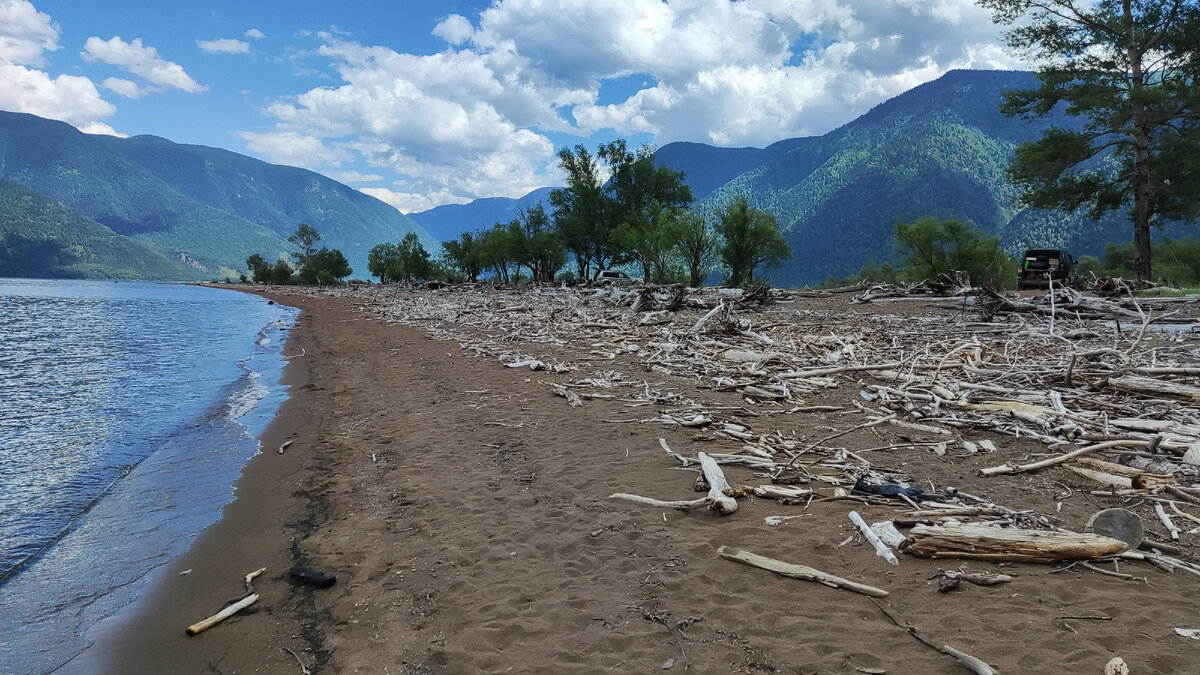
(862, 487)
(311, 577)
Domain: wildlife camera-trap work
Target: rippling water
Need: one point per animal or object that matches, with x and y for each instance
(127, 410)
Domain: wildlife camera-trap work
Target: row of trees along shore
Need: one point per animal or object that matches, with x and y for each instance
(639, 217)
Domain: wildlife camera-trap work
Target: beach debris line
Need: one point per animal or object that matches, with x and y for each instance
(233, 608)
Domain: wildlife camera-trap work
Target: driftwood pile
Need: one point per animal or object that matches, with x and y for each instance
(1107, 388)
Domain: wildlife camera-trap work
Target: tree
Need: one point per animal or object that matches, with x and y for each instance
(931, 246)
(463, 255)
(281, 273)
(696, 246)
(306, 238)
(583, 213)
(260, 269)
(407, 261)
(325, 267)
(751, 238)
(646, 203)
(1128, 68)
(381, 260)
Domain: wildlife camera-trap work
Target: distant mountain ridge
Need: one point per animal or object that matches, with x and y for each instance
(448, 221)
(940, 149)
(204, 207)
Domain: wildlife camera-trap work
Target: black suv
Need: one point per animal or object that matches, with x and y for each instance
(1040, 265)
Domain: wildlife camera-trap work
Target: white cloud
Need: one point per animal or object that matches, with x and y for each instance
(294, 149)
(142, 61)
(411, 202)
(255, 34)
(475, 120)
(224, 46)
(455, 29)
(25, 33)
(126, 88)
(354, 177)
(69, 98)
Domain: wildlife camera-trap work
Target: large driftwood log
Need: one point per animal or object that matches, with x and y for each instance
(1150, 385)
(881, 549)
(795, 571)
(981, 542)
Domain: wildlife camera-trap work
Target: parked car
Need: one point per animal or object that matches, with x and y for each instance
(614, 278)
(1040, 265)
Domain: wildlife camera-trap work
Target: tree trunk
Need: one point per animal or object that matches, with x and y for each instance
(1140, 135)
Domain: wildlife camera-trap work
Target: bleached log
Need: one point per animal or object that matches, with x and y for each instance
(1150, 385)
(704, 320)
(717, 485)
(688, 505)
(1122, 482)
(781, 492)
(969, 662)
(881, 548)
(981, 542)
(888, 533)
(1166, 521)
(201, 626)
(1009, 468)
(796, 571)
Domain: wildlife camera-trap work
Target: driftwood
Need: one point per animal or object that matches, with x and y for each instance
(716, 499)
(982, 542)
(201, 626)
(950, 579)
(796, 571)
(250, 598)
(881, 548)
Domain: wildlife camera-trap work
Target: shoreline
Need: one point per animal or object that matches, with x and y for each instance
(256, 529)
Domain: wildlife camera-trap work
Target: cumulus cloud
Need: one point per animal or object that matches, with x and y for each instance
(126, 88)
(69, 98)
(255, 34)
(25, 35)
(354, 177)
(476, 119)
(140, 60)
(294, 149)
(224, 46)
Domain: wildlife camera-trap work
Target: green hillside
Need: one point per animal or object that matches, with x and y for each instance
(43, 238)
(209, 207)
(940, 149)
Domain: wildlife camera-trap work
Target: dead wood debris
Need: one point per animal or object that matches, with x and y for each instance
(1097, 383)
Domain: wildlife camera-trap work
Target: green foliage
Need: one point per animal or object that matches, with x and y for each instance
(281, 273)
(43, 238)
(1127, 70)
(930, 246)
(306, 238)
(407, 261)
(645, 201)
(463, 256)
(751, 238)
(260, 269)
(325, 266)
(1176, 262)
(696, 246)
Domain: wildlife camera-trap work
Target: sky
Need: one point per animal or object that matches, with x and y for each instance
(428, 103)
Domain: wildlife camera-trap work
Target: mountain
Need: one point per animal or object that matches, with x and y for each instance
(706, 168)
(40, 237)
(940, 149)
(448, 221)
(206, 207)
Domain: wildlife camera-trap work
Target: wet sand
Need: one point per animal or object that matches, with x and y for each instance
(463, 508)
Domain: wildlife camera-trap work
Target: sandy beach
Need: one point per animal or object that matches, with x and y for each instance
(464, 509)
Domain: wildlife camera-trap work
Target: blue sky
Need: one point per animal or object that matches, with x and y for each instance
(422, 104)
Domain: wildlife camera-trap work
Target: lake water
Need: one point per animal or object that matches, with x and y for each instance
(127, 411)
